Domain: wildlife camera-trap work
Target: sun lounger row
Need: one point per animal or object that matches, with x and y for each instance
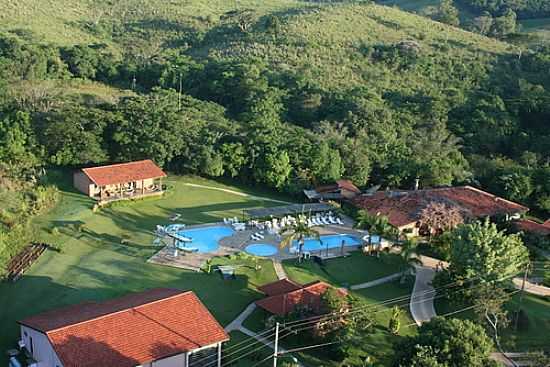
(257, 236)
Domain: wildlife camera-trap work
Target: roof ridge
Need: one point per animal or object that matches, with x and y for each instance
(496, 197)
(116, 164)
(117, 312)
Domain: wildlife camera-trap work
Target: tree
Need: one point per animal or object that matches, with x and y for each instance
(395, 322)
(277, 169)
(408, 253)
(376, 225)
(489, 301)
(480, 251)
(505, 24)
(447, 13)
(440, 217)
(298, 231)
(447, 342)
(17, 144)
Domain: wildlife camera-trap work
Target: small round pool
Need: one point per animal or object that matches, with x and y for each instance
(261, 249)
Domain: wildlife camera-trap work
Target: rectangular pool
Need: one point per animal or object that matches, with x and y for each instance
(330, 241)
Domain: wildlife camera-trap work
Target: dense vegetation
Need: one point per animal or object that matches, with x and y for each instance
(524, 8)
(285, 94)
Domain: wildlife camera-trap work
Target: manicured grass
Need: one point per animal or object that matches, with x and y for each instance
(92, 263)
(242, 351)
(343, 271)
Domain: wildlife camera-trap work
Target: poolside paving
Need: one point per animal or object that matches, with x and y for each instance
(238, 241)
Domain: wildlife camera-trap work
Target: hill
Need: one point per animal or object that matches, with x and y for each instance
(283, 93)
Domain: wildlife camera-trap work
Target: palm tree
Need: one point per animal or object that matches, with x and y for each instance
(298, 231)
(376, 224)
(408, 252)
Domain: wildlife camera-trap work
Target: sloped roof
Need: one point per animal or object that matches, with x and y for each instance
(279, 287)
(404, 207)
(339, 185)
(530, 226)
(123, 172)
(308, 295)
(129, 331)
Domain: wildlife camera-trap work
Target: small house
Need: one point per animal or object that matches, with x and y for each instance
(155, 328)
(120, 181)
(340, 190)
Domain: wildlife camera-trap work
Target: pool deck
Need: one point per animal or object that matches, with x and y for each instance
(238, 241)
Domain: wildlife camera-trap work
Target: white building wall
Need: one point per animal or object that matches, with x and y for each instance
(174, 361)
(41, 349)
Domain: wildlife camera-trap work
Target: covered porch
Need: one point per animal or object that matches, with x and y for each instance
(129, 190)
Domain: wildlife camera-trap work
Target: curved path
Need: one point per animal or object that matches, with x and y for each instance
(236, 193)
(532, 288)
(422, 298)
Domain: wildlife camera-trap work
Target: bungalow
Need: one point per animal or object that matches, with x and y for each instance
(340, 190)
(155, 328)
(120, 181)
(285, 296)
(403, 208)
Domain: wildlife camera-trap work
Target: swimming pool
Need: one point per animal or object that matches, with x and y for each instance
(261, 249)
(204, 239)
(330, 241)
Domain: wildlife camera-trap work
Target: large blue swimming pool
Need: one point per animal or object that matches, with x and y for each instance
(205, 239)
(330, 241)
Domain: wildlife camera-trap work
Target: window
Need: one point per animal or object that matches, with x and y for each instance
(32, 345)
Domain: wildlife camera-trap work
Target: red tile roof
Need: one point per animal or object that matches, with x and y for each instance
(404, 207)
(123, 172)
(530, 226)
(308, 295)
(279, 287)
(129, 331)
(339, 185)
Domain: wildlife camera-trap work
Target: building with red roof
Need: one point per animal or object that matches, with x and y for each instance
(120, 181)
(159, 327)
(340, 190)
(285, 296)
(526, 225)
(403, 208)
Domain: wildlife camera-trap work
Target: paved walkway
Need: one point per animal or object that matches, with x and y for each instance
(237, 193)
(237, 324)
(422, 299)
(279, 269)
(532, 288)
(376, 282)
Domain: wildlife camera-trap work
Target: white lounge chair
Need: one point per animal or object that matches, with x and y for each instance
(339, 221)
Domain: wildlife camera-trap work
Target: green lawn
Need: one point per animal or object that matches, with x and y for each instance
(354, 269)
(92, 263)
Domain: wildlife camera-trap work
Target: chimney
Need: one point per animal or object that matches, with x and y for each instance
(416, 184)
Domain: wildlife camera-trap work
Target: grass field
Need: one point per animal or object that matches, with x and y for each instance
(92, 264)
(347, 271)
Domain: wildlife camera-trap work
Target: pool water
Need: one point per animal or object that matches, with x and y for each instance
(205, 239)
(332, 241)
(261, 249)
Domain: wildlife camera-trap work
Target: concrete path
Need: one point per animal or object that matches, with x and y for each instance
(376, 282)
(237, 324)
(279, 269)
(532, 288)
(422, 299)
(237, 193)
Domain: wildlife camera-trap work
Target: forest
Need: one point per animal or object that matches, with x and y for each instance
(286, 97)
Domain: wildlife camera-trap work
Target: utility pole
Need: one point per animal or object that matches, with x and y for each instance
(276, 346)
(179, 94)
(521, 295)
